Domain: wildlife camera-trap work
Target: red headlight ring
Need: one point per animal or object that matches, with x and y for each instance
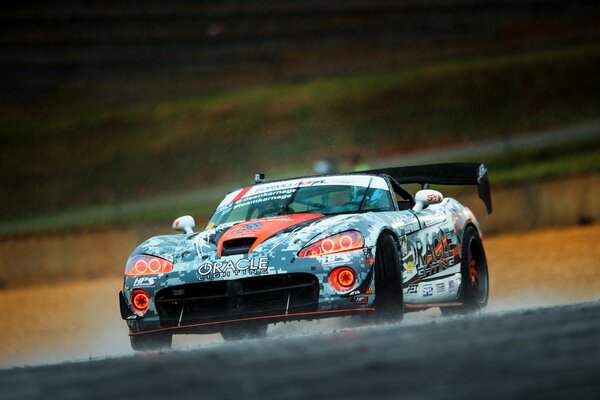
(344, 241)
(342, 279)
(147, 265)
(140, 301)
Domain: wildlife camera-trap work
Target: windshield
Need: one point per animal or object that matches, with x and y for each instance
(324, 196)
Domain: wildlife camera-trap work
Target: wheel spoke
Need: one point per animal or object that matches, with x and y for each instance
(473, 272)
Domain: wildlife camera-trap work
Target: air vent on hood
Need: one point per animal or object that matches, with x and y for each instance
(237, 246)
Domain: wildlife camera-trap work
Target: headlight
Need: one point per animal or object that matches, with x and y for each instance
(345, 241)
(140, 301)
(342, 279)
(147, 265)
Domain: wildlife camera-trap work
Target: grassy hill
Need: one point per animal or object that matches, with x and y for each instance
(154, 148)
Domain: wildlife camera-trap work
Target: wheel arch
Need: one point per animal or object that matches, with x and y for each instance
(471, 224)
(397, 240)
(477, 227)
(386, 230)
(389, 231)
(467, 226)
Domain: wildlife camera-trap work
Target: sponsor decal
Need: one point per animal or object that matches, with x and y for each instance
(361, 299)
(144, 281)
(369, 291)
(460, 218)
(427, 290)
(404, 244)
(369, 259)
(336, 259)
(272, 187)
(432, 253)
(412, 289)
(410, 267)
(238, 231)
(451, 285)
(312, 182)
(434, 197)
(244, 266)
(440, 287)
(263, 197)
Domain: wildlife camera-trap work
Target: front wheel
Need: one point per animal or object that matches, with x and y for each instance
(474, 275)
(389, 296)
(151, 341)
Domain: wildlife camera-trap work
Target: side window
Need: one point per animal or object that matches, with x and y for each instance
(403, 198)
(377, 200)
(403, 204)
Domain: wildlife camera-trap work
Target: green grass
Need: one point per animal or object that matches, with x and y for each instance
(115, 156)
(566, 164)
(549, 161)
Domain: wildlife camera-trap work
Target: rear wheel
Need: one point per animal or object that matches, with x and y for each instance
(389, 296)
(151, 341)
(242, 331)
(474, 275)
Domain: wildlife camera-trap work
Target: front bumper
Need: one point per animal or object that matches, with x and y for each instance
(204, 307)
(298, 291)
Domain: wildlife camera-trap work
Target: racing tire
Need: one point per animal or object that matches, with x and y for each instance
(389, 294)
(244, 331)
(151, 341)
(474, 275)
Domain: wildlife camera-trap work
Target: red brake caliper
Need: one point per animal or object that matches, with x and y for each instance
(472, 271)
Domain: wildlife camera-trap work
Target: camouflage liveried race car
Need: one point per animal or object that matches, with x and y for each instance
(312, 247)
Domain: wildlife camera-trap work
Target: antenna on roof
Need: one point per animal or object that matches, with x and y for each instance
(259, 178)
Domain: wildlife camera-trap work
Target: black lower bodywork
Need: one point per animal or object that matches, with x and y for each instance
(237, 299)
(204, 307)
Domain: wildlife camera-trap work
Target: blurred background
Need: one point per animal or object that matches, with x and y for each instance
(116, 117)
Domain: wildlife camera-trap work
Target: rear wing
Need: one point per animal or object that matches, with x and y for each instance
(442, 174)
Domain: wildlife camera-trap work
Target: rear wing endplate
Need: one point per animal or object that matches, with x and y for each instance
(442, 174)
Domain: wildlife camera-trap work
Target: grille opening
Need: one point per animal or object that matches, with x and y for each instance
(237, 246)
(242, 298)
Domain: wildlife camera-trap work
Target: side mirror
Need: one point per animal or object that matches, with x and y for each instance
(426, 197)
(184, 224)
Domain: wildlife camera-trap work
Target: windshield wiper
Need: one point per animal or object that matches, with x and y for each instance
(285, 206)
(362, 202)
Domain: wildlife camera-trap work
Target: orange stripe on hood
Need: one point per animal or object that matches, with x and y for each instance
(263, 228)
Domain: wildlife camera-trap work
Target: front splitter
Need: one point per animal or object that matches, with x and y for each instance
(269, 318)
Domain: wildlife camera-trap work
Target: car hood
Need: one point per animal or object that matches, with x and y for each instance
(288, 233)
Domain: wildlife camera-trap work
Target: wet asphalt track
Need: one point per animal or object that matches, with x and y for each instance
(535, 353)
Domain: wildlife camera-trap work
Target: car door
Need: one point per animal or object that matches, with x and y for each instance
(432, 257)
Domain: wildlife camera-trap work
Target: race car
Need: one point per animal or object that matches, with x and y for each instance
(312, 247)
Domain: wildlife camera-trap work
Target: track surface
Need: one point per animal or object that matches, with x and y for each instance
(536, 353)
